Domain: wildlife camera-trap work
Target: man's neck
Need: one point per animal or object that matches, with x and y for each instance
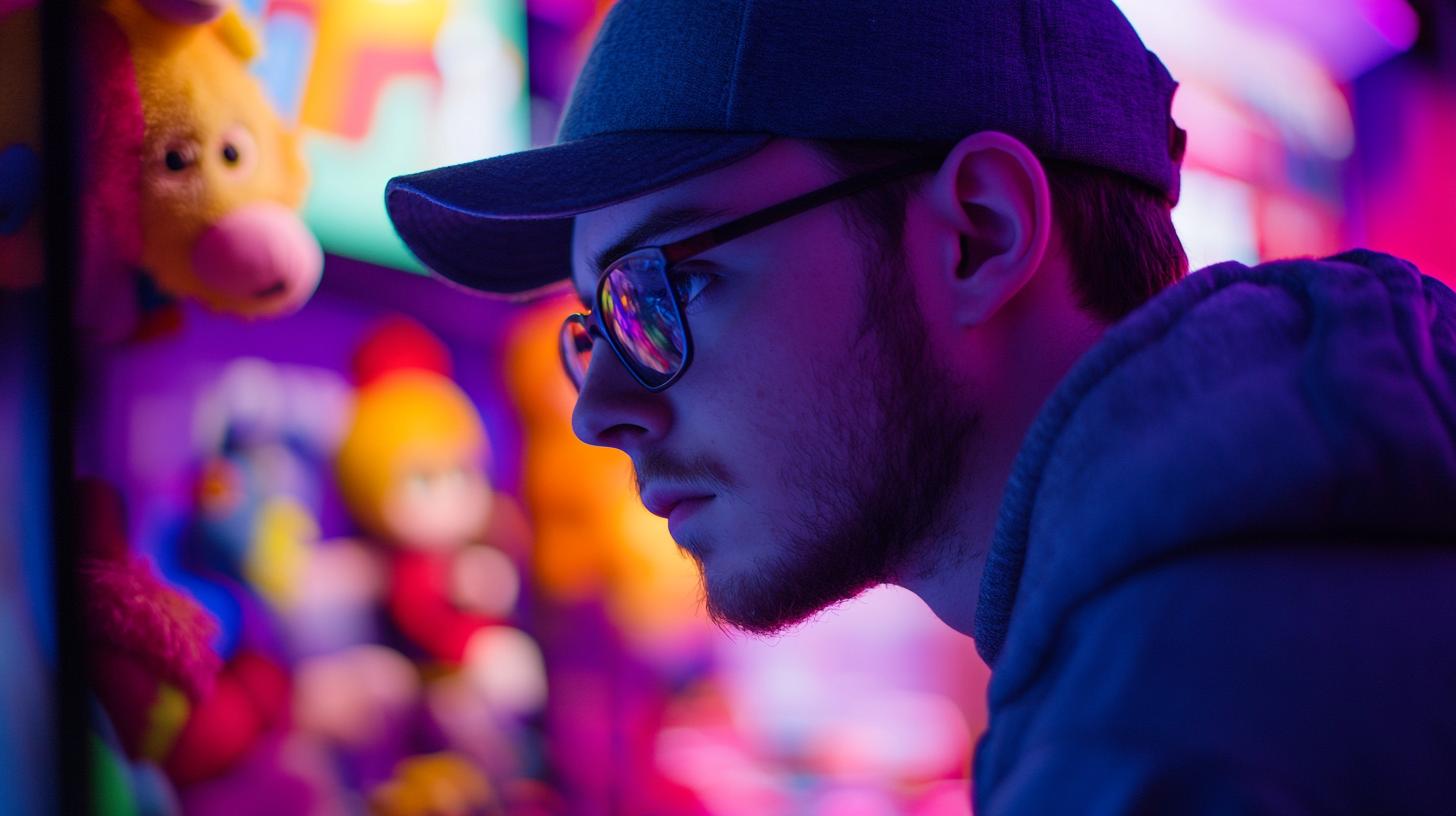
(947, 573)
(1033, 351)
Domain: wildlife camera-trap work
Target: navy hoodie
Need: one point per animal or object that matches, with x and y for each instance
(1223, 579)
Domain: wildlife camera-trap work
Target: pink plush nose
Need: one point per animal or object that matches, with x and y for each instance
(259, 260)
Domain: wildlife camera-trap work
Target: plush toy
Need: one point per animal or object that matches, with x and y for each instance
(149, 655)
(190, 180)
(311, 603)
(20, 160)
(411, 471)
(251, 551)
(296, 611)
(252, 697)
(247, 485)
(264, 434)
(435, 783)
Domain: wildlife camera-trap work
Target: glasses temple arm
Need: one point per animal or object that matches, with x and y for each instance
(704, 241)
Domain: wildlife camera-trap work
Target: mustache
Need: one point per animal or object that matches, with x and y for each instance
(700, 472)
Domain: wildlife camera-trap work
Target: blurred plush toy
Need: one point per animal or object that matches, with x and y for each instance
(250, 490)
(411, 471)
(265, 435)
(252, 697)
(307, 604)
(20, 167)
(190, 180)
(251, 551)
(432, 784)
(149, 655)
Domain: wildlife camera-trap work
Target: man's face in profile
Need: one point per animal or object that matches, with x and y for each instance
(813, 444)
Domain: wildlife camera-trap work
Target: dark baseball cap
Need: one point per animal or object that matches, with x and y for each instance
(675, 88)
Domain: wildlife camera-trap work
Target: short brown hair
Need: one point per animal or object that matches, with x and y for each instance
(1118, 231)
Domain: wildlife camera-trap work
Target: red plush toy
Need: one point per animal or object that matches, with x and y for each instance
(147, 644)
(166, 692)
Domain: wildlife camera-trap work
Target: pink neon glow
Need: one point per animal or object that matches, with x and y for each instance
(1393, 20)
(1407, 206)
(1223, 136)
(1348, 37)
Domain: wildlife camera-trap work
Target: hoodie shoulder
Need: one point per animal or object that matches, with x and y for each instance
(1304, 397)
(1251, 449)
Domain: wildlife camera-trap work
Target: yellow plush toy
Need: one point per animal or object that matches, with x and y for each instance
(213, 182)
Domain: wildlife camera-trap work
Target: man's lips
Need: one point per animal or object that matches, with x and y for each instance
(662, 502)
(682, 511)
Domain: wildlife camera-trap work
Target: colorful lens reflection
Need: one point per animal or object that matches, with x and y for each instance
(637, 307)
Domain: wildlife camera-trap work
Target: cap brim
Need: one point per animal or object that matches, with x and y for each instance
(504, 224)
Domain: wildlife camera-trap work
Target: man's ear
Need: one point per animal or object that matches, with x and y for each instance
(992, 198)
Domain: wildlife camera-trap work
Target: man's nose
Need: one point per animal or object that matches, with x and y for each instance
(613, 409)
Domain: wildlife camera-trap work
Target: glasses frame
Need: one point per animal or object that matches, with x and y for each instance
(681, 250)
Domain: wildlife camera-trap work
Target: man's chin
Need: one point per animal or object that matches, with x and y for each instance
(753, 622)
(764, 601)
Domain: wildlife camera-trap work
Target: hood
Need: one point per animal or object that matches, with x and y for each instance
(1312, 402)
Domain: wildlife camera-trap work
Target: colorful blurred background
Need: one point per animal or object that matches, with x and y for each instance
(292, 597)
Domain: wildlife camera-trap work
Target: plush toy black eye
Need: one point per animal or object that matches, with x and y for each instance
(230, 153)
(176, 162)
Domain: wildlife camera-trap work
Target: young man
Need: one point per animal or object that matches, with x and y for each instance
(884, 292)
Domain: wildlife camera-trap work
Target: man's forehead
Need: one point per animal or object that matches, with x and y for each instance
(601, 236)
(601, 244)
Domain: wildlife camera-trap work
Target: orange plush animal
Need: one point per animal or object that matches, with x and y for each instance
(192, 180)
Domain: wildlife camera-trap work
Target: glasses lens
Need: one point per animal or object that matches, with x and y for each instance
(640, 312)
(576, 349)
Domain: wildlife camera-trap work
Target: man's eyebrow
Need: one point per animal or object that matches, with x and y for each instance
(653, 226)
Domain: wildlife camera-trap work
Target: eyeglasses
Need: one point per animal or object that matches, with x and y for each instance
(639, 309)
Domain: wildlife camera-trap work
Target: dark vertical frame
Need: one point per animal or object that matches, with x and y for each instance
(60, 21)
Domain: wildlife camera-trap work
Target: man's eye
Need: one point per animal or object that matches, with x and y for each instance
(687, 284)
